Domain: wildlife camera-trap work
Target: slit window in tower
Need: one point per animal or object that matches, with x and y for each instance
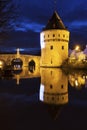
(52, 98)
(51, 61)
(62, 86)
(51, 47)
(51, 86)
(51, 72)
(62, 47)
(53, 35)
(59, 35)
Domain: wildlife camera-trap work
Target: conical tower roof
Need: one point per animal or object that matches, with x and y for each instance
(55, 23)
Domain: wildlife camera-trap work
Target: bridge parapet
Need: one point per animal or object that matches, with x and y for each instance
(25, 58)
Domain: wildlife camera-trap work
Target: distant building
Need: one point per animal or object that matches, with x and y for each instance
(54, 41)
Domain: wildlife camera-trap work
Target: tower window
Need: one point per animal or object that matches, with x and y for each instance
(62, 47)
(51, 47)
(53, 35)
(51, 86)
(51, 61)
(63, 35)
(48, 35)
(52, 98)
(44, 36)
(47, 98)
(51, 72)
(62, 86)
(59, 35)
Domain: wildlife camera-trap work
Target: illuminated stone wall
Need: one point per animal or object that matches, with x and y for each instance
(25, 58)
(54, 47)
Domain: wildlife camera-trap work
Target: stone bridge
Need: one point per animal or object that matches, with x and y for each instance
(7, 58)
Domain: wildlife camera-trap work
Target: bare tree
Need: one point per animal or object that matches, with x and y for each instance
(9, 11)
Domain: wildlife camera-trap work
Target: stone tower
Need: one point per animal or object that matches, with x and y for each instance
(54, 41)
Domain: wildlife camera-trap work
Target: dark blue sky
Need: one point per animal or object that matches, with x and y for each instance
(35, 15)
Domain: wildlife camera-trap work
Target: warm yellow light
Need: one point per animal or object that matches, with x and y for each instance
(1, 63)
(76, 83)
(77, 48)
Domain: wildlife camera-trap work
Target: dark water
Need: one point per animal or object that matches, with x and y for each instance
(54, 100)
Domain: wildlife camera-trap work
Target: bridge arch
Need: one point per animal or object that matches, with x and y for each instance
(31, 65)
(17, 63)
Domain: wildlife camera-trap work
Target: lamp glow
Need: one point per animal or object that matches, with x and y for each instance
(77, 48)
(1, 63)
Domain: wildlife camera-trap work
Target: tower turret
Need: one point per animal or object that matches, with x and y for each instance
(54, 40)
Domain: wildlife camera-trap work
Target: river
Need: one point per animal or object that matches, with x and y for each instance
(54, 99)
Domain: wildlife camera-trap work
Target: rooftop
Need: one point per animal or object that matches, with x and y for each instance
(55, 23)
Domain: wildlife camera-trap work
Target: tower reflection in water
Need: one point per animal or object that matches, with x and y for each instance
(53, 87)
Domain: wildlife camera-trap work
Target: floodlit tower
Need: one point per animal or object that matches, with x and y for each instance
(54, 41)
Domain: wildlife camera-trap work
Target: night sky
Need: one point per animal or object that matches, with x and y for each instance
(35, 15)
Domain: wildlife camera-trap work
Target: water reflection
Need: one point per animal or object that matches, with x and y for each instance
(78, 78)
(54, 82)
(54, 86)
(45, 89)
(37, 96)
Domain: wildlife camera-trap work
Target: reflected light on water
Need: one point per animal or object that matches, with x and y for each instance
(41, 93)
(76, 82)
(77, 79)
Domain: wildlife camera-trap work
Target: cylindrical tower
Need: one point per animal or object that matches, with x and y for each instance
(54, 43)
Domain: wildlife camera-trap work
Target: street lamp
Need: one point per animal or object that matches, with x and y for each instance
(77, 48)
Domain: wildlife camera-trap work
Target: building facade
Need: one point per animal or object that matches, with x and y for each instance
(54, 40)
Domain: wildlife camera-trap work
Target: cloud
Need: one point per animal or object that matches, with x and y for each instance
(35, 15)
(77, 13)
(21, 39)
(37, 11)
(27, 25)
(78, 25)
